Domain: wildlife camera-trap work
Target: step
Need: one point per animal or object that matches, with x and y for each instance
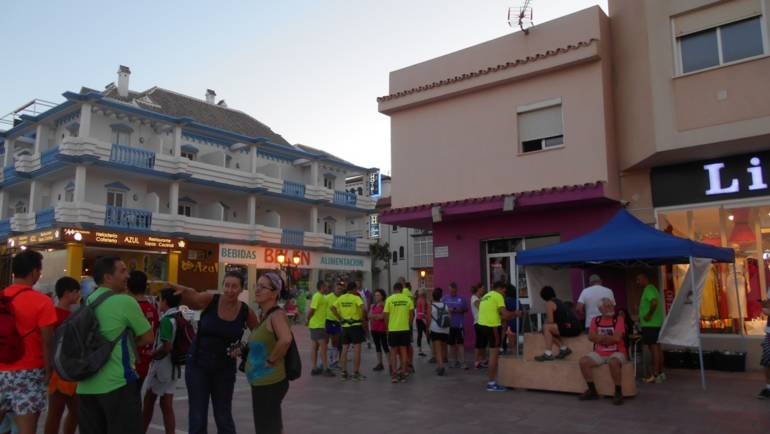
(560, 376)
(534, 345)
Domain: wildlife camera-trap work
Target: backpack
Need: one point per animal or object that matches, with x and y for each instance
(183, 339)
(11, 341)
(80, 349)
(442, 317)
(291, 361)
(626, 323)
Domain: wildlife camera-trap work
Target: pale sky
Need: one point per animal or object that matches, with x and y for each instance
(311, 70)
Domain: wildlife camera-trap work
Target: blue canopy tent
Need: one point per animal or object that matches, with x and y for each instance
(626, 241)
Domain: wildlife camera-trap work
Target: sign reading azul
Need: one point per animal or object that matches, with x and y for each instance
(120, 239)
(734, 177)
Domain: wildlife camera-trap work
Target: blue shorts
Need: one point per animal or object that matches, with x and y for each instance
(333, 327)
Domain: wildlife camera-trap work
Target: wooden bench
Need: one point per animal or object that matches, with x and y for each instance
(559, 375)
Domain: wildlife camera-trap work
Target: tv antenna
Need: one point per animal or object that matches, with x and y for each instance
(521, 16)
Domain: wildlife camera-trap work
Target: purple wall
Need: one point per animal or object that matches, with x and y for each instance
(464, 237)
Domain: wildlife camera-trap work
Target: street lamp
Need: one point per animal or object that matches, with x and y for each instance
(422, 273)
(295, 259)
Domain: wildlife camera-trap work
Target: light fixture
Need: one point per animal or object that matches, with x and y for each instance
(422, 273)
(742, 233)
(11, 243)
(23, 247)
(78, 236)
(296, 259)
(731, 217)
(281, 258)
(181, 244)
(56, 234)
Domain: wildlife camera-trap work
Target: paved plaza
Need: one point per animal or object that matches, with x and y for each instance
(458, 403)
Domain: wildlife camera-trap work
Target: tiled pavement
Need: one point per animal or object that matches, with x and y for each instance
(458, 403)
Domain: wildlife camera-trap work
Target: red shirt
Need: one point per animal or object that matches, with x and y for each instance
(378, 325)
(145, 353)
(61, 316)
(605, 328)
(32, 311)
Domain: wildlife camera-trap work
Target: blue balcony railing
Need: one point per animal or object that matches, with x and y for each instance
(5, 227)
(293, 188)
(345, 198)
(9, 173)
(49, 156)
(293, 237)
(127, 218)
(45, 219)
(132, 157)
(344, 243)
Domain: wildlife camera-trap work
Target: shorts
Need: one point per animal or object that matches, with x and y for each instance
(58, 385)
(487, 337)
(765, 360)
(353, 335)
(23, 392)
(160, 388)
(439, 337)
(399, 339)
(567, 331)
(456, 336)
(650, 335)
(333, 327)
(318, 335)
(601, 360)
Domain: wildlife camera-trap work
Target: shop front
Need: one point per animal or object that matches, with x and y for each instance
(724, 202)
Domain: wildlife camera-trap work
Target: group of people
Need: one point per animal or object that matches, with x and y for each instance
(152, 341)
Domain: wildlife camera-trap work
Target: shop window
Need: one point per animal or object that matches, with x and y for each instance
(540, 128)
(722, 44)
(401, 252)
(185, 210)
(121, 134)
(115, 198)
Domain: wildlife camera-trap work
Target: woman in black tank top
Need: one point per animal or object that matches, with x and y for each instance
(560, 322)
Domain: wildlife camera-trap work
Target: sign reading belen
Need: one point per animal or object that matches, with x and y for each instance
(267, 257)
(120, 239)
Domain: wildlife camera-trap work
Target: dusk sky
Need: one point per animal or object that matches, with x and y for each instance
(311, 70)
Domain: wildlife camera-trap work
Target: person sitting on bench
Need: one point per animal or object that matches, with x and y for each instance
(607, 332)
(560, 322)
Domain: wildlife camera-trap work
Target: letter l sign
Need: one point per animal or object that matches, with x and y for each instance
(715, 181)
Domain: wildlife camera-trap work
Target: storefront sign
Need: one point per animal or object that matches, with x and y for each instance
(441, 252)
(36, 238)
(734, 177)
(267, 257)
(374, 226)
(118, 239)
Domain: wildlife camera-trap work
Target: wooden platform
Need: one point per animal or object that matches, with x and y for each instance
(559, 375)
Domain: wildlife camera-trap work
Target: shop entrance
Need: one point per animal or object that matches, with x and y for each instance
(153, 263)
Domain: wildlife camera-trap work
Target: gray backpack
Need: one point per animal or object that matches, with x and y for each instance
(80, 350)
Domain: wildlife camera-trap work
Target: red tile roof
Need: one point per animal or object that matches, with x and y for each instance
(491, 69)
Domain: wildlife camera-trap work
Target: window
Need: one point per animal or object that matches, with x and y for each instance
(540, 128)
(228, 161)
(121, 135)
(115, 198)
(189, 155)
(360, 191)
(401, 252)
(720, 45)
(20, 207)
(395, 257)
(69, 196)
(394, 229)
(329, 227)
(185, 210)
(423, 251)
(329, 182)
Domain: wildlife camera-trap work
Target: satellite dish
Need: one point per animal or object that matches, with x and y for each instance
(521, 16)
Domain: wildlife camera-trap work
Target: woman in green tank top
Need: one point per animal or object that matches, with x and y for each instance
(268, 344)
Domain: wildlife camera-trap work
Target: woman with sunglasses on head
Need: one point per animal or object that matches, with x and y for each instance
(265, 368)
(211, 362)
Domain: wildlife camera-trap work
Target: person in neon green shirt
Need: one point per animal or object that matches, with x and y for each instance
(349, 307)
(399, 314)
(651, 320)
(492, 313)
(316, 322)
(333, 328)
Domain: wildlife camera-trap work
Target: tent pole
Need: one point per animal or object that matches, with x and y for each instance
(738, 299)
(697, 325)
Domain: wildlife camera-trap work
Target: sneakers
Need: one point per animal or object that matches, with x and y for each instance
(617, 399)
(402, 378)
(564, 353)
(316, 371)
(764, 394)
(650, 379)
(544, 358)
(466, 366)
(589, 395)
(344, 375)
(379, 367)
(494, 387)
(441, 372)
(328, 373)
(394, 379)
(358, 377)
(420, 353)
(661, 378)
(480, 365)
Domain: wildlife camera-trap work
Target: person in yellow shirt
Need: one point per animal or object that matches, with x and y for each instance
(492, 313)
(350, 308)
(333, 328)
(399, 314)
(316, 322)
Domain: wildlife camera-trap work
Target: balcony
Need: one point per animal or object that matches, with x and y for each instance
(343, 242)
(133, 157)
(345, 198)
(127, 218)
(5, 227)
(45, 219)
(292, 237)
(293, 189)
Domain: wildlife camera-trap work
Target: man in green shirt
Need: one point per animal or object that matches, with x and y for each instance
(399, 315)
(110, 401)
(651, 320)
(316, 322)
(492, 313)
(350, 309)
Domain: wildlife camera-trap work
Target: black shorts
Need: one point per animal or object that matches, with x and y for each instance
(353, 335)
(399, 339)
(455, 336)
(439, 337)
(650, 335)
(487, 337)
(567, 331)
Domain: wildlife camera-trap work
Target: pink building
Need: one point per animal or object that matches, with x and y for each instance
(504, 146)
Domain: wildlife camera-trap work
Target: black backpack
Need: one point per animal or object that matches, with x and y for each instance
(80, 349)
(442, 319)
(292, 362)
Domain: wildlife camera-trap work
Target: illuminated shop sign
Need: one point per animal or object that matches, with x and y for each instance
(118, 239)
(35, 238)
(267, 257)
(736, 177)
(374, 183)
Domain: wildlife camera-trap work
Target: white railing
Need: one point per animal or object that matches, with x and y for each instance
(23, 222)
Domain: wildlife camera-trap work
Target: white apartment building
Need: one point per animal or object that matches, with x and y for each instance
(184, 187)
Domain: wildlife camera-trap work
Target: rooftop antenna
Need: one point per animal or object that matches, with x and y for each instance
(521, 16)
